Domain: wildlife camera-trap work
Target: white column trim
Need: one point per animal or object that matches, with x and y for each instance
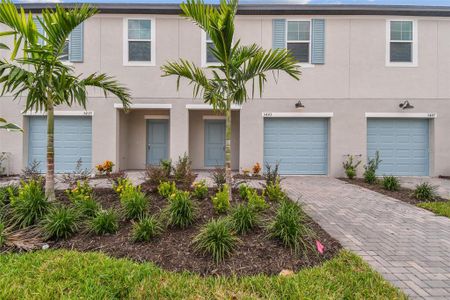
(297, 115)
(144, 106)
(209, 107)
(61, 113)
(402, 115)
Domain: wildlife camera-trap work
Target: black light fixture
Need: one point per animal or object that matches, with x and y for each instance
(405, 105)
(299, 105)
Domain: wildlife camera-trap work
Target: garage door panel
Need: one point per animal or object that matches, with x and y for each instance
(300, 145)
(73, 140)
(403, 145)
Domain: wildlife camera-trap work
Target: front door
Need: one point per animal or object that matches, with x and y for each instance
(214, 143)
(157, 141)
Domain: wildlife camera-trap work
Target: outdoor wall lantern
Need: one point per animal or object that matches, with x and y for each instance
(406, 105)
(299, 105)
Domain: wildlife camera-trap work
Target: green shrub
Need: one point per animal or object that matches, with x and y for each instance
(87, 208)
(271, 173)
(180, 211)
(60, 223)
(105, 221)
(243, 218)
(425, 192)
(218, 176)
(288, 226)
(391, 183)
(30, 204)
(371, 169)
(350, 166)
(220, 201)
(200, 190)
(243, 191)
(166, 166)
(256, 201)
(166, 189)
(121, 184)
(182, 171)
(274, 192)
(146, 229)
(217, 239)
(2, 234)
(134, 202)
(6, 192)
(81, 191)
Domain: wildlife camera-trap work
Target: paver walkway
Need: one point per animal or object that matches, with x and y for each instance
(409, 246)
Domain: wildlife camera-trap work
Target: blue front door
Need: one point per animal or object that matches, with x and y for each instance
(157, 141)
(214, 143)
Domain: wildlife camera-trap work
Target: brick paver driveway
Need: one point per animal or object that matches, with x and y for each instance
(409, 246)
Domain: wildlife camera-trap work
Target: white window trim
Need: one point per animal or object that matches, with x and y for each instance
(144, 106)
(150, 63)
(69, 113)
(204, 53)
(209, 107)
(415, 48)
(303, 65)
(156, 117)
(209, 117)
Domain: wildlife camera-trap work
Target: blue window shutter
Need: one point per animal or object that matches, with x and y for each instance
(39, 29)
(76, 44)
(278, 33)
(318, 42)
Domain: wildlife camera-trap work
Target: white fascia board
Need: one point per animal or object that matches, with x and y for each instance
(402, 115)
(297, 115)
(209, 107)
(61, 113)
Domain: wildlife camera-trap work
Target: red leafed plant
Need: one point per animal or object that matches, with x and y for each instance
(256, 169)
(105, 168)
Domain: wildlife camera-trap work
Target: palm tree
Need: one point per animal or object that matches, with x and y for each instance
(237, 65)
(40, 72)
(9, 126)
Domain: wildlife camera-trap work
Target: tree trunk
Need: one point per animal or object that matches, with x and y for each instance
(229, 178)
(50, 176)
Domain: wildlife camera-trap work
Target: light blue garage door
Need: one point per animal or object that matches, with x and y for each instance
(300, 145)
(73, 140)
(403, 145)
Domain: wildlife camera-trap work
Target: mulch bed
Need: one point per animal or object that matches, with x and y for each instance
(444, 177)
(403, 194)
(174, 251)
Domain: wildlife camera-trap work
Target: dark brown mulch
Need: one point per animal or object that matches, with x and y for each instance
(8, 178)
(244, 177)
(403, 194)
(444, 177)
(174, 250)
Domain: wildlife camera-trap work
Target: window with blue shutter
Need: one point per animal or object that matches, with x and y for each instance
(75, 44)
(304, 38)
(39, 29)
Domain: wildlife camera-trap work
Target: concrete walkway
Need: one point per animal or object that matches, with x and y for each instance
(409, 246)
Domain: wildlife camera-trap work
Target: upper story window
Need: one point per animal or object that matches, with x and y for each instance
(65, 51)
(402, 43)
(140, 42)
(208, 56)
(298, 40)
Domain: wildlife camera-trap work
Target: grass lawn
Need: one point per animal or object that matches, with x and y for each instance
(439, 208)
(54, 274)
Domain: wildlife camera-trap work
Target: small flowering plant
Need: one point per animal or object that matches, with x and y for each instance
(82, 191)
(122, 184)
(105, 168)
(256, 169)
(200, 189)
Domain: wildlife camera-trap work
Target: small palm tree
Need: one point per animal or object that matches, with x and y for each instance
(9, 126)
(41, 74)
(237, 65)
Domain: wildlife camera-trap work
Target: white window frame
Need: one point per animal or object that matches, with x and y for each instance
(67, 61)
(152, 41)
(415, 48)
(301, 64)
(205, 52)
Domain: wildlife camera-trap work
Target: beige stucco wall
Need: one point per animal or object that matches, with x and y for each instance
(197, 138)
(354, 80)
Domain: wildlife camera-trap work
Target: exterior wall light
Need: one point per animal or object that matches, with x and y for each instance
(299, 105)
(405, 105)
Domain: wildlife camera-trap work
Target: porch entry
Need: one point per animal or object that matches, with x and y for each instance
(157, 141)
(214, 143)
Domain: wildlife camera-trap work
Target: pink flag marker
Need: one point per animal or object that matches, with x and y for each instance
(320, 247)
